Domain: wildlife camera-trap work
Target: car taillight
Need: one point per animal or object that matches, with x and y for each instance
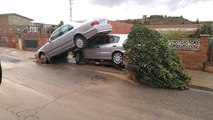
(95, 23)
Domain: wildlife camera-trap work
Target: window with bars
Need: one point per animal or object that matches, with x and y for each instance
(31, 43)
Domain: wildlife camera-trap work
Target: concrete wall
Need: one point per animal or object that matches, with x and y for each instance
(4, 20)
(18, 20)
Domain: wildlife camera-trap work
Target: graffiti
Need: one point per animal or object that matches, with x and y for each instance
(8, 41)
(4, 41)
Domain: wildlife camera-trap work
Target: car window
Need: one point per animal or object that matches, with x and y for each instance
(105, 40)
(98, 40)
(114, 39)
(65, 29)
(60, 32)
(55, 35)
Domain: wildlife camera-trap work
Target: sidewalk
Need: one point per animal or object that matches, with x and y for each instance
(201, 80)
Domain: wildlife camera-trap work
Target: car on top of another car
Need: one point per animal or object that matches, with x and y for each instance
(71, 36)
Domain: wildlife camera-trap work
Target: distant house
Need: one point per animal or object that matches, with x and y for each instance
(13, 23)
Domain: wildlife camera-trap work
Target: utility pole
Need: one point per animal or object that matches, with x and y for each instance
(71, 10)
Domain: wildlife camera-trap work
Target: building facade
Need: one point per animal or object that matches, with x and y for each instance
(13, 23)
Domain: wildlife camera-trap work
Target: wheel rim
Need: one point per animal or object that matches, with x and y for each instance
(117, 58)
(80, 42)
(43, 58)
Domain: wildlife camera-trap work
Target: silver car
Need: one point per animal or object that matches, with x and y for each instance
(104, 47)
(71, 36)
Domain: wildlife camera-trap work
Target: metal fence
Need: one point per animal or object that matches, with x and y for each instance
(185, 44)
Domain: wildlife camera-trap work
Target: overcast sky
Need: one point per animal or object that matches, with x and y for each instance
(53, 11)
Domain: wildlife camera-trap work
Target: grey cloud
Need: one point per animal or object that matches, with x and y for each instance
(111, 3)
(171, 4)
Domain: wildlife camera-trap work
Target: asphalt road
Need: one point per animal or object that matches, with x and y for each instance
(66, 91)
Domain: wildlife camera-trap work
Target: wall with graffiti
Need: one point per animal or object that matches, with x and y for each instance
(8, 41)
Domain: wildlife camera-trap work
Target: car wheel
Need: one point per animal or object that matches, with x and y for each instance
(80, 41)
(79, 57)
(117, 58)
(42, 58)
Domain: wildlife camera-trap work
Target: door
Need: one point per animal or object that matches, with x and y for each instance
(59, 41)
(106, 49)
(92, 51)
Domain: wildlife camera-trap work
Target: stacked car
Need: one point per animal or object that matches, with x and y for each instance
(71, 36)
(104, 47)
(87, 40)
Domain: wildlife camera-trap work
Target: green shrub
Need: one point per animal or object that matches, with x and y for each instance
(150, 60)
(205, 29)
(173, 35)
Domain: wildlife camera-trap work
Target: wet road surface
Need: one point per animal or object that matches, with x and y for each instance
(66, 91)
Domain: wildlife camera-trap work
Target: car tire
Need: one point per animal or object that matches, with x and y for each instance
(42, 58)
(79, 58)
(117, 58)
(80, 41)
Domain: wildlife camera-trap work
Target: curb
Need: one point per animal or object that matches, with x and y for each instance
(122, 72)
(201, 88)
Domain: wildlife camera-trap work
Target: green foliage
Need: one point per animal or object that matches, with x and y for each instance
(152, 61)
(173, 35)
(205, 29)
(159, 19)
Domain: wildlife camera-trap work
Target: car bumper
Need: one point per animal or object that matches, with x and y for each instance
(97, 30)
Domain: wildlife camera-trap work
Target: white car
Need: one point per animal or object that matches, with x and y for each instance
(70, 36)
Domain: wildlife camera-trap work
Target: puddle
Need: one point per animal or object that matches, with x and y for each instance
(98, 78)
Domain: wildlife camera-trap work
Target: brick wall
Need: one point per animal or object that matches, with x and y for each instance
(195, 60)
(8, 40)
(41, 38)
(120, 28)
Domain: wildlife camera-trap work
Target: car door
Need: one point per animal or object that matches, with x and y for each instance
(92, 51)
(58, 42)
(106, 49)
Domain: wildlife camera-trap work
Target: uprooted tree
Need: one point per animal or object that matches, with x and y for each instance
(150, 60)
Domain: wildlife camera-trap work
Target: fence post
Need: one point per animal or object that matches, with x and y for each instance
(19, 42)
(205, 37)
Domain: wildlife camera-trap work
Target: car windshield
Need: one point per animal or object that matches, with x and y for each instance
(105, 39)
